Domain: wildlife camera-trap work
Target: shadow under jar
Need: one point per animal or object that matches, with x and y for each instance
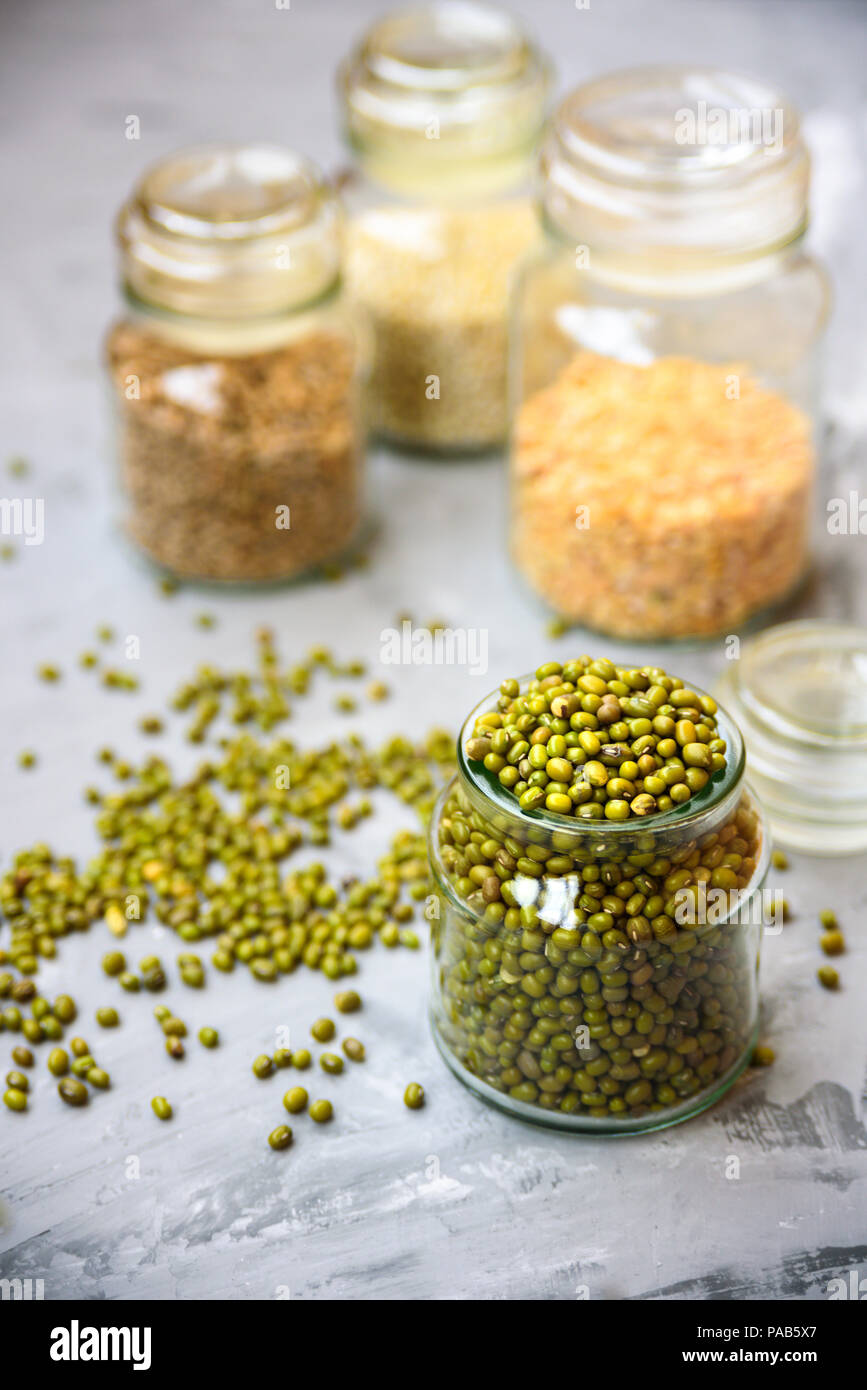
(443, 106)
(608, 982)
(664, 358)
(234, 368)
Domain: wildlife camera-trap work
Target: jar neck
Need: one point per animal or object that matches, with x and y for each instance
(671, 273)
(410, 170)
(587, 840)
(233, 337)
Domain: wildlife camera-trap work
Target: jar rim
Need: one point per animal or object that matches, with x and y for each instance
(230, 230)
(773, 661)
(467, 69)
(721, 787)
(642, 162)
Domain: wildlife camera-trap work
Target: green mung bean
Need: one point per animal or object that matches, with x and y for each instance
(833, 943)
(280, 1138)
(295, 1100)
(72, 1091)
(58, 1062)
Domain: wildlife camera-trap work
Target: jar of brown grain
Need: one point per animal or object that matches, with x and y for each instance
(235, 369)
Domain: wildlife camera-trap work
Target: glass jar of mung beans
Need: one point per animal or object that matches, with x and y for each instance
(443, 105)
(592, 974)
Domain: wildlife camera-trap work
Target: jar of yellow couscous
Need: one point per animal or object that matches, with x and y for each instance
(442, 106)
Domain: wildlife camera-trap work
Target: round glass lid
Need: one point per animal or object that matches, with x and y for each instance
(807, 681)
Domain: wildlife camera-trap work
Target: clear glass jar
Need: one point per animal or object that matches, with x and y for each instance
(235, 368)
(799, 693)
(603, 1028)
(664, 363)
(443, 106)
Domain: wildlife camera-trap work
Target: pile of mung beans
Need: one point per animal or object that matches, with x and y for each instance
(204, 857)
(593, 740)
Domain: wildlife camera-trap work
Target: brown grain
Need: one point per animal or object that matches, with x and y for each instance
(209, 454)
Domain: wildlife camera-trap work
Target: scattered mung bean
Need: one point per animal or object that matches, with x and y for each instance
(295, 1100)
(58, 1062)
(72, 1091)
(281, 1137)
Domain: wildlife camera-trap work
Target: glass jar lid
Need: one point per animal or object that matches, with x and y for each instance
(799, 693)
(676, 163)
(227, 231)
(449, 84)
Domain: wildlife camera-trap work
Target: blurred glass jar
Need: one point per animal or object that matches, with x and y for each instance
(597, 975)
(665, 358)
(443, 107)
(235, 369)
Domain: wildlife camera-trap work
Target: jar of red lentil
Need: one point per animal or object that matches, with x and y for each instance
(665, 358)
(443, 106)
(594, 974)
(235, 368)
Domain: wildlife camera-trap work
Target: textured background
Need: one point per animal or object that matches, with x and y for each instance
(454, 1201)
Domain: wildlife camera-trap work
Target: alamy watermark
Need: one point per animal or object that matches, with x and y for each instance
(23, 516)
(21, 1290)
(705, 906)
(847, 516)
(77, 1343)
(729, 125)
(446, 646)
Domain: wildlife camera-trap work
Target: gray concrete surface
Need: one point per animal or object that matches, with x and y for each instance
(455, 1201)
